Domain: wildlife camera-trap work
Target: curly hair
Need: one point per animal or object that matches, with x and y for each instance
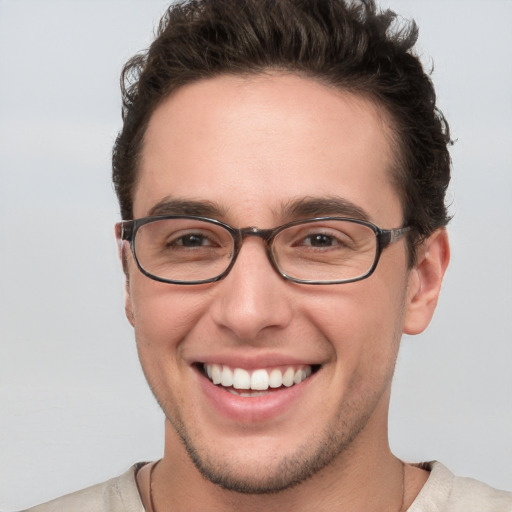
(346, 44)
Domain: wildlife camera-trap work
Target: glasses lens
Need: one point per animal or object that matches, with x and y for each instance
(325, 250)
(183, 249)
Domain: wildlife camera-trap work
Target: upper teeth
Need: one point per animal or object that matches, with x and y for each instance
(258, 380)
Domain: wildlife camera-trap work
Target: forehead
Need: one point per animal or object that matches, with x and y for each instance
(253, 144)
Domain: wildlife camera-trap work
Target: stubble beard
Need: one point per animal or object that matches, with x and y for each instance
(307, 460)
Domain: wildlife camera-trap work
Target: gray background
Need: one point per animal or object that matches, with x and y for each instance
(74, 407)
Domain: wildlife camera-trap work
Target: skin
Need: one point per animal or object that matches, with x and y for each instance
(252, 146)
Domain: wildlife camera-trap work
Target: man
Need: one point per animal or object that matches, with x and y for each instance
(282, 170)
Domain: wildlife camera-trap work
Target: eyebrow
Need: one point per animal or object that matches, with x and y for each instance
(320, 206)
(304, 207)
(177, 206)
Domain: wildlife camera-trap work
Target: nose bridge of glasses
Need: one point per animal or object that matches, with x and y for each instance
(266, 235)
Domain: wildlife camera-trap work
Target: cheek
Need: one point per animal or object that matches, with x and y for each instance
(163, 318)
(362, 322)
(163, 315)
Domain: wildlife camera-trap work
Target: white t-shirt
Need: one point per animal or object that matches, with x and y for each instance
(443, 492)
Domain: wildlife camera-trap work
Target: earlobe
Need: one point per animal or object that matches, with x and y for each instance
(425, 282)
(128, 306)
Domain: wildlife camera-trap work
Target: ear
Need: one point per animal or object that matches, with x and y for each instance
(425, 282)
(128, 304)
(122, 248)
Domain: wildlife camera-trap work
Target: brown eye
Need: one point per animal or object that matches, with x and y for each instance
(191, 240)
(320, 240)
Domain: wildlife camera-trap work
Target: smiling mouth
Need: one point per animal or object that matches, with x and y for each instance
(258, 382)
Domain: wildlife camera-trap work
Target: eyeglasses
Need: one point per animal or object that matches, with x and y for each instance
(186, 250)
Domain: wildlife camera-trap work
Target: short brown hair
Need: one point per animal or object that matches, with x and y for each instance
(349, 45)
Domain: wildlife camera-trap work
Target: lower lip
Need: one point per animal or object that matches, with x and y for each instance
(253, 409)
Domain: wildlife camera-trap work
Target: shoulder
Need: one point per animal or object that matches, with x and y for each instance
(118, 494)
(445, 492)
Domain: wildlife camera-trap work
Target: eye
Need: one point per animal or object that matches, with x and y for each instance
(191, 240)
(320, 240)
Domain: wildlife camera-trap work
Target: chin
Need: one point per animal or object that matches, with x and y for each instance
(265, 471)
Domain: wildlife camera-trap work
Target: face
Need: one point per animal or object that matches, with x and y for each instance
(252, 152)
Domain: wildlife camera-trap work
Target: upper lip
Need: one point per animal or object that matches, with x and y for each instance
(253, 362)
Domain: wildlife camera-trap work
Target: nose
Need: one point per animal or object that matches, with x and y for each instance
(253, 297)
